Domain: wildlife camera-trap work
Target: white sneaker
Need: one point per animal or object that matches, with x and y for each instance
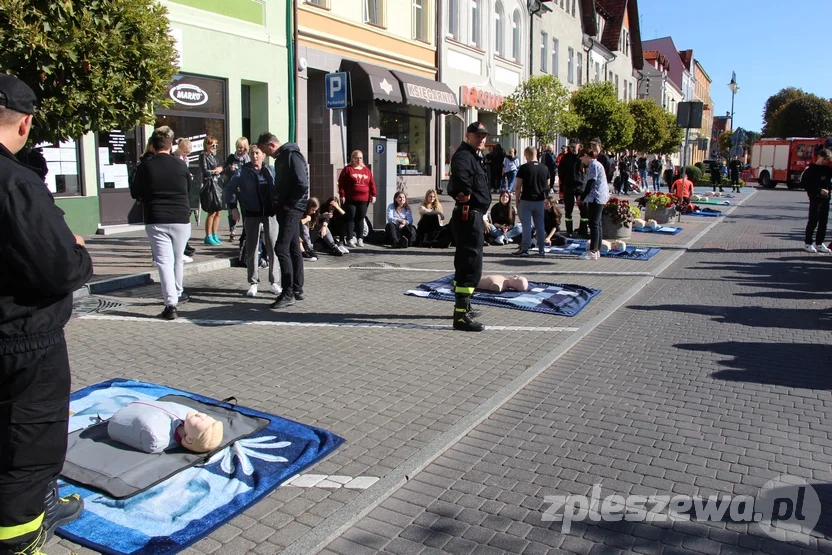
(352, 242)
(823, 248)
(359, 243)
(252, 291)
(589, 255)
(187, 259)
(501, 240)
(276, 289)
(810, 248)
(343, 249)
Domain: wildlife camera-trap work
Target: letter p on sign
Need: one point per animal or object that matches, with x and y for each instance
(337, 90)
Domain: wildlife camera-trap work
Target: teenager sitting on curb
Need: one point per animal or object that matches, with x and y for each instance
(400, 231)
(430, 221)
(500, 223)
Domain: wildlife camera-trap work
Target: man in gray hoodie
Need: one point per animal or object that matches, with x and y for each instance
(289, 193)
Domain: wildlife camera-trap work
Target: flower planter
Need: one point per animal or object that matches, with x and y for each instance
(612, 230)
(662, 215)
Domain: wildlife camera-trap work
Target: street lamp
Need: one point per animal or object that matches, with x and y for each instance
(734, 88)
(534, 7)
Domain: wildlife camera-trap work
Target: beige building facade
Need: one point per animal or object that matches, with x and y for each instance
(702, 94)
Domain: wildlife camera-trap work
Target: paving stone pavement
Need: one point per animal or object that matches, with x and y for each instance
(390, 389)
(712, 380)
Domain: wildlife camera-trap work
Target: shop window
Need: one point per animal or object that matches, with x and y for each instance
(409, 126)
(374, 12)
(454, 135)
(117, 158)
(62, 161)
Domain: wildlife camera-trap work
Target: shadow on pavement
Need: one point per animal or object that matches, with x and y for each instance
(754, 316)
(801, 365)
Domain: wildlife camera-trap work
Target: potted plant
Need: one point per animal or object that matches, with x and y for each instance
(661, 207)
(617, 219)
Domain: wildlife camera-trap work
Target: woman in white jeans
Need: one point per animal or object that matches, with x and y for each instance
(161, 185)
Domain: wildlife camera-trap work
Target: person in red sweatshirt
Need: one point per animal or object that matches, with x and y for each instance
(357, 190)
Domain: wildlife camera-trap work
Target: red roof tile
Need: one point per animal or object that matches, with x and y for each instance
(612, 32)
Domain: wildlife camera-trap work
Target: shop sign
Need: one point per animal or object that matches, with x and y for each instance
(480, 99)
(430, 95)
(188, 94)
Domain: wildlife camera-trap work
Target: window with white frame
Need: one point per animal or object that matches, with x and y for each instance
(555, 56)
(453, 19)
(419, 20)
(544, 51)
(570, 65)
(319, 3)
(476, 15)
(625, 91)
(573, 7)
(499, 30)
(374, 12)
(516, 48)
(580, 68)
(616, 87)
(597, 72)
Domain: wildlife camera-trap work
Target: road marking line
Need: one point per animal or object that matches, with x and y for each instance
(392, 325)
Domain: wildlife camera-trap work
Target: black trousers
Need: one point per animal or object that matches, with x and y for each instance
(735, 179)
(428, 227)
(395, 234)
(568, 206)
(356, 212)
(818, 217)
(288, 252)
(468, 239)
(34, 421)
(594, 210)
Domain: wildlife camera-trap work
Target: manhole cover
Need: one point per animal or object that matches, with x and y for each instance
(94, 305)
(374, 265)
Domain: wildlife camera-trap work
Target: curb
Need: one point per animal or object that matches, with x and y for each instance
(145, 278)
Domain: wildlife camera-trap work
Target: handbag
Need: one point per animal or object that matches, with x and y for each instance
(210, 197)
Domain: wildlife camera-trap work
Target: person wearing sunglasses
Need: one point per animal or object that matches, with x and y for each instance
(211, 203)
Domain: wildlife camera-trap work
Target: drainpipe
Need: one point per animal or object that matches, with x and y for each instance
(440, 52)
(292, 40)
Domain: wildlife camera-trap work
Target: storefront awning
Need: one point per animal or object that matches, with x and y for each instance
(419, 91)
(372, 82)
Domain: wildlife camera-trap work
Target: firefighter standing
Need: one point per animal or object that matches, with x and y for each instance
(469, 186)
(41, 265)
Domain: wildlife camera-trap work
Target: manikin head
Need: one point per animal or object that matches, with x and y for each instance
(202, 434)
(517, 283)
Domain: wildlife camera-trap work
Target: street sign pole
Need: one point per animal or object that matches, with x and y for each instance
(343, 134)
(338, 98)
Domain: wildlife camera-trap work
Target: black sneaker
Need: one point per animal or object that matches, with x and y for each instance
(467, 323)
(184, 297)
(310, 254)
(520, 252)
(299, 296)
(335, 251)
(169, 313)
(404, 243)
(60, 510)
(283, 301)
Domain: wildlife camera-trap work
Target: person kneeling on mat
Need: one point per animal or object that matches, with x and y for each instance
(42, 265)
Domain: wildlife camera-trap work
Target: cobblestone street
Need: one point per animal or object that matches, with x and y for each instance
(703, 370)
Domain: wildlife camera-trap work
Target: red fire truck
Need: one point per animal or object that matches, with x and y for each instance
(776, 161)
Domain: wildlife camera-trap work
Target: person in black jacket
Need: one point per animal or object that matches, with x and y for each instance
(469, 186)
(568, 181)
(161, 185)
(817, 180)
(41, 264)
(551, 164)
(289, 194)
(734, 168)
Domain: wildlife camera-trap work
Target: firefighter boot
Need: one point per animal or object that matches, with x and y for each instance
(473, 312)
(583, 229)
(30, 544)
(463, 321)
(60, 510)
(569, 229)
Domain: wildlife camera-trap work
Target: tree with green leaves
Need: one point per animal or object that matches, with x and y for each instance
(94, 65)
(806, 116)
(650, 130)
(724, 143)
(773, 105)
(600, 114)
(538, 109)
(674, 135)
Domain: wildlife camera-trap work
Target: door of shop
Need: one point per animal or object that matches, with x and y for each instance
(118, 154)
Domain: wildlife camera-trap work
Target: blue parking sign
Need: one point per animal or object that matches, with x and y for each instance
(337, 90)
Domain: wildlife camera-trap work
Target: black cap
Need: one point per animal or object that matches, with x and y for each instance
(16, 95)
(478, 127)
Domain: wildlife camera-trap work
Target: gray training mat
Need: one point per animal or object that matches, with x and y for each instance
(95, 461)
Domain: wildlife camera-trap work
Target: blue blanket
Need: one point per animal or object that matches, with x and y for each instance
(169, 517)
(548, 298)
(710, 213)
(662, 229)
(632, 252)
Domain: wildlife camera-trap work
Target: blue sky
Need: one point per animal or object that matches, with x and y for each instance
(769, 45)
